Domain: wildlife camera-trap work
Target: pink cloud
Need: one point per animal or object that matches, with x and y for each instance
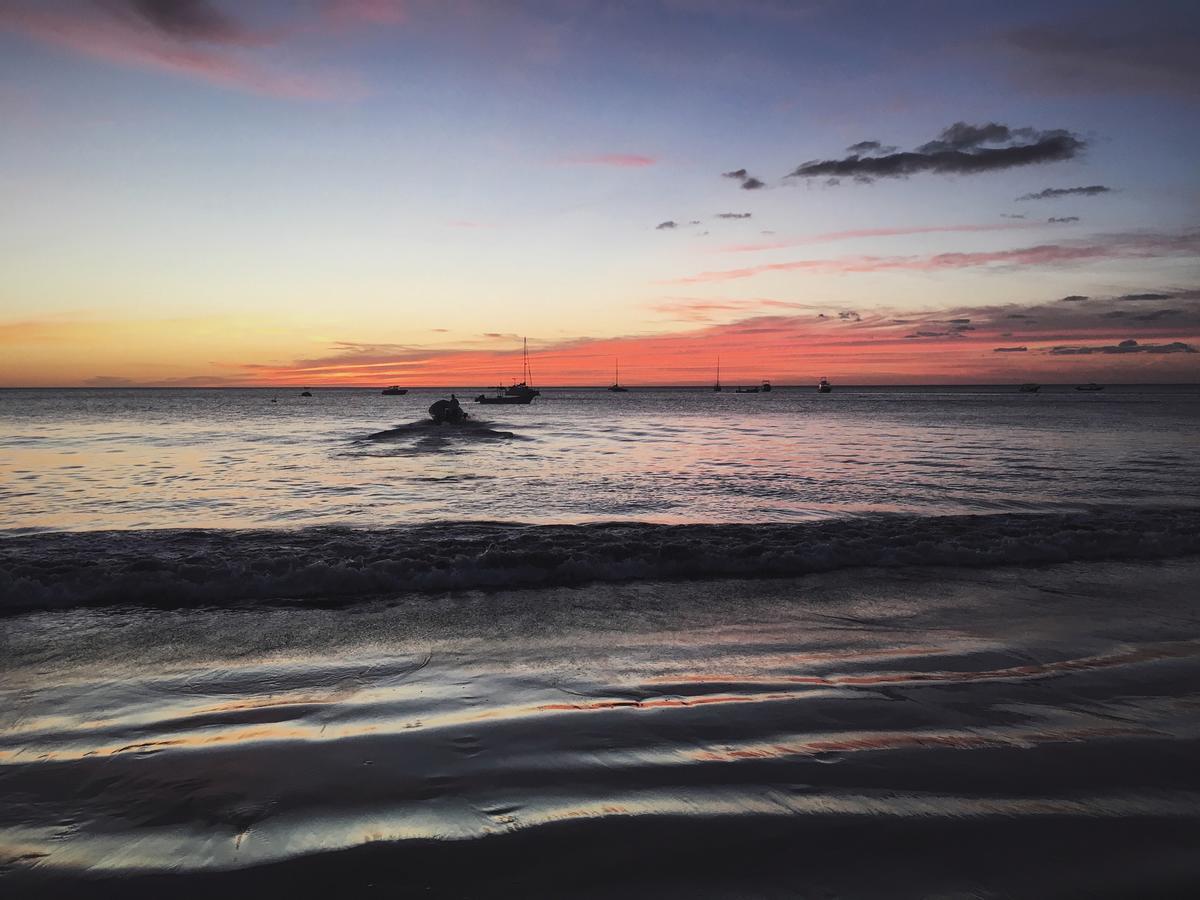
(1136, 246)
(128, 43)
(831, 236)
(371, 12)
(620, 160)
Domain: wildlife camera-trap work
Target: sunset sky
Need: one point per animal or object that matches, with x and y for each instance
(381, 191)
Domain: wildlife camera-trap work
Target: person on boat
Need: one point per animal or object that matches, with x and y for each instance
(447, 411)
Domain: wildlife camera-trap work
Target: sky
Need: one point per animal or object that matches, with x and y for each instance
(370, 192)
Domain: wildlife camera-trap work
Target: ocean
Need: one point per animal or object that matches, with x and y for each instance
(886, 642)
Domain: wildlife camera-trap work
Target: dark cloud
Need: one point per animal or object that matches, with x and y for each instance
(749, 182)
(1129, 346)
(1010, 350)
(869, 148)
(849, 315)
(1062, 220)
(1018, 316)
(1148, 296)
(733, 215)
(661, 226)
(189, 19)
(1090, 190)
(1103, 48)
(1074, 298)
(1152, 316)
(961, 149)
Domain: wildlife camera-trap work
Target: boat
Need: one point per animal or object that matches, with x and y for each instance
(750, 390)
(717, 384)
(306, 393)
(394, 391)
(1030, 388)
(766, 386)
(1090, 386)
(519, 394)
(616, 387)
(447, 411)
(506, 399)
(824, 387)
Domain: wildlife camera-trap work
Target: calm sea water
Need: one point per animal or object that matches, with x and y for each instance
(881, 643)
(132, 459)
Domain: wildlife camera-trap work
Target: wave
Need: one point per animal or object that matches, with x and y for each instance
(341, 565)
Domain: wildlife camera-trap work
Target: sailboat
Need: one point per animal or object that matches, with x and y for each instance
(616, 387)
(717, 384)
(515, 394)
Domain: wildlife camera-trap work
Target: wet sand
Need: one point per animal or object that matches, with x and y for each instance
(1014, 731)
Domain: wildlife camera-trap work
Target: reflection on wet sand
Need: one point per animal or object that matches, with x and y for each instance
(466, 720)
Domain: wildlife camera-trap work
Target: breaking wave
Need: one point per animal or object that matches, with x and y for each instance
(340, 565)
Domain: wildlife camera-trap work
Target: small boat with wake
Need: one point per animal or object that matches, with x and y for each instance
(447, 412)
(1090, 387)
(394, 391)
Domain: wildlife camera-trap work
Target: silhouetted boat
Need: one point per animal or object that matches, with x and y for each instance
(1030, 388)
(394, 391)
(1090, 386)
(764, 388)
(306, 393)
(518, 394)
(506, 399)
(717, 384)
(824, 387)
(615, 387)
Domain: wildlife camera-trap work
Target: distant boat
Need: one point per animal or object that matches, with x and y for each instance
(717, 384)
(394, 391)
(1090, 386)
(306, 393)
(518, 394)
(615, 387)
(506, 399)
(749, 390)
(1030, 388)
(766, 387)
(824, 387)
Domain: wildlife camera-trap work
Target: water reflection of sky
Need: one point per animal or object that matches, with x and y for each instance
(136, 459)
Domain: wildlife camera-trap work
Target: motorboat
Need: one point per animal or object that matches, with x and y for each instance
(1030, 388)
(506, 399)
(824, 387)
(1090, 386)
(447, 411)
(306, 393)
(394, 391)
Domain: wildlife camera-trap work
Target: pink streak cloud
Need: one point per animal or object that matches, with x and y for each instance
(1136, 246)
(127, 44)
(620, 160)
(371, 12)
(831, 236)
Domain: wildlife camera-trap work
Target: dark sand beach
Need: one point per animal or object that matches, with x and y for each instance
(1006, 731)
